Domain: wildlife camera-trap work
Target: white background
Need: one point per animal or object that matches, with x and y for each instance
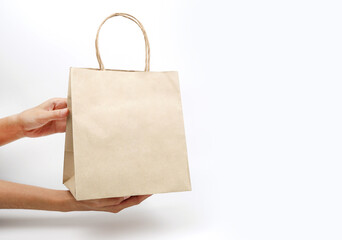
(261, 91)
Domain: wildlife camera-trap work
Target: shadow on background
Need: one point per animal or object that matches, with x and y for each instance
(92, 224)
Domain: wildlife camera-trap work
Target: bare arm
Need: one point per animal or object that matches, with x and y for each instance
(15, 195)
(10, 130)
(21, 196)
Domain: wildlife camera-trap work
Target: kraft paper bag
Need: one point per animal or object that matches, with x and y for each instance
(125, 131)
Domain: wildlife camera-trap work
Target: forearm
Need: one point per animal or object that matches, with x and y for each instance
(21, 196)
(10, 129)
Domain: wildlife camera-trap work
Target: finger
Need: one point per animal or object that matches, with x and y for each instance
(55, 103)
(132, 201)
(111, 201)
(55, 114)
(105, 202)
(60, 105)
(60, 125)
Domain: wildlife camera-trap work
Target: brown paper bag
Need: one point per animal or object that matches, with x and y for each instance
(125, 131)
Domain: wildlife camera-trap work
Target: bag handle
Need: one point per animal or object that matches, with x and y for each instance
(147, 44)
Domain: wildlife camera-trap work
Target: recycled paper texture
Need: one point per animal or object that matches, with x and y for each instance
(125, 131)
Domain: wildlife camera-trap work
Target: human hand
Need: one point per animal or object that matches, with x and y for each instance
(113, 205)
(22, 196)
(44, 119)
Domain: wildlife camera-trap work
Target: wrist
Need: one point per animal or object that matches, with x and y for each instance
(10, 129)
(65, 202)
(18, 125)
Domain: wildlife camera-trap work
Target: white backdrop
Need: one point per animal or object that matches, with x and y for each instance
(261, 91)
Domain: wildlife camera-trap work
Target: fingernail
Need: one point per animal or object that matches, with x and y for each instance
(63, 111)
(126, 197)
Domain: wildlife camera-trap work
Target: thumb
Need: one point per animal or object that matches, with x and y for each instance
(56, 114)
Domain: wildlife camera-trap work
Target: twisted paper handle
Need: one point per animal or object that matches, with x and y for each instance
(147, 44)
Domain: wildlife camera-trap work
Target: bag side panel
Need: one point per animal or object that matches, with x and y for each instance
(69, 169)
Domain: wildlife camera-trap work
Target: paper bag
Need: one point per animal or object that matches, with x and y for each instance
(125, 131)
